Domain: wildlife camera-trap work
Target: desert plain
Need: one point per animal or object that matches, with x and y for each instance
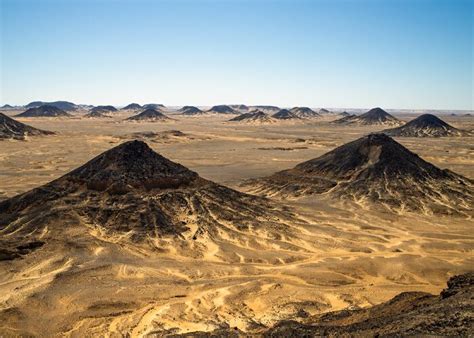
(336, 255)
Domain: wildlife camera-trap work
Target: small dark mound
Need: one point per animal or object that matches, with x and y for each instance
(149, 115)
(109, 109)
(285, 114)
(7, 106)
(304, 112)
(254, 116)
(44, 111)
(156, 106)
(222, 109)
(190, 110)
(426, 125)
(132, 106)
(9, 128)
(375, 116)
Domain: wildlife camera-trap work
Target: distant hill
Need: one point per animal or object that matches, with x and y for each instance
(190, 110)
(149, 115)
(256, 116)
(240, 107)
(324, 111)
(132, 106)
(98, 114)
(266, 109)
(222, 109)
(304, 112)
(153, 106)
(63, 105)
(44, 111)
(109, 109)
(7, 106)
(285, 114)
(426, 125)
(375, 116)
(12, 129)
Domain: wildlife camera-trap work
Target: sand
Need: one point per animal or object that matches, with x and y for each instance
(341, 255)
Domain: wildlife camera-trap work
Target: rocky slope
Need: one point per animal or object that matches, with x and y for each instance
(11, 129)
(408, 314)
(375, 169)
(426, 125)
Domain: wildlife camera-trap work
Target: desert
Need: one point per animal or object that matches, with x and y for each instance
(245, 265)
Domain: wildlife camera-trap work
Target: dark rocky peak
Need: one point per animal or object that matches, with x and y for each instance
(133, 164)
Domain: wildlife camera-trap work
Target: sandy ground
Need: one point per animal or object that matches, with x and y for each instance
(344, 256)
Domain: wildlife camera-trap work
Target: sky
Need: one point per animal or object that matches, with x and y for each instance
(407, 54)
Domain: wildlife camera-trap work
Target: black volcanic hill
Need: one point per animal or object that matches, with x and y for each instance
(239, 107)
(375, 116)
(149, 115)
(267, 109)
(9, 128)
(304, 112)
(156, 106)
(323, 111)
(285, 114)
(44, 111)
(376, 169)
(7, 106)
(426, 125)
(132, 192)
(344, 114)
(64, 105)
(109, 109)
(255, 116)
(222, 109)
(98, 114)
(132, 106)
(190, 110)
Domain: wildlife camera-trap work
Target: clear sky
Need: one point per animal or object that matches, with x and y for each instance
(389, 53)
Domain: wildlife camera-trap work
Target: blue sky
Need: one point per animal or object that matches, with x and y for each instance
(389, 53)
